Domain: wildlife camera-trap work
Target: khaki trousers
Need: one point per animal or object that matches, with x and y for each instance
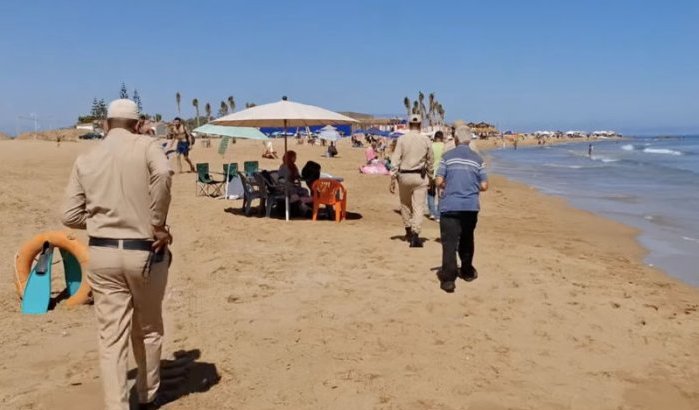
(128, 305)
(412, 189)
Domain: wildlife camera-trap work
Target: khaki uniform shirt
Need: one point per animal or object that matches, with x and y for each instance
(120, 189)
(413, 151)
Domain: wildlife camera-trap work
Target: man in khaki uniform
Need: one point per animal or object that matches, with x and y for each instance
(120, 193)
(412, 165)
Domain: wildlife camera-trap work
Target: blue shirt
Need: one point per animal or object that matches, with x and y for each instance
(463, 172)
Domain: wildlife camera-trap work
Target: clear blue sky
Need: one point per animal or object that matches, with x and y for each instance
(626, 65)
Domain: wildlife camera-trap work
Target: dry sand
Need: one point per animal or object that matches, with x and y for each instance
(66, 134)
(318, 315)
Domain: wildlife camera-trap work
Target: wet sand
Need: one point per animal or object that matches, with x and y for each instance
(314, 315)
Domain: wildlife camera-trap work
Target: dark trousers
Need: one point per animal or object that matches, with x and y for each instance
(456, 229)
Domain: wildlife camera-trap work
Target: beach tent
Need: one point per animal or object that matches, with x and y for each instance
(284, 114)
(329, 134)
(378, 132)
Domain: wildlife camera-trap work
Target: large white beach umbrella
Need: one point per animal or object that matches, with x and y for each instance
(284, 114)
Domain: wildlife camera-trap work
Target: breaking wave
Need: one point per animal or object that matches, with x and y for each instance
(665, 151)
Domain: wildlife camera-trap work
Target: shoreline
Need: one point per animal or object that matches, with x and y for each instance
(310, 315)
(641, 235)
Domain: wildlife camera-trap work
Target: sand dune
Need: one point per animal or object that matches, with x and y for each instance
(318, 315)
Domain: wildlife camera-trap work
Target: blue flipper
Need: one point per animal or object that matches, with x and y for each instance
(37, 292)
(73, 272)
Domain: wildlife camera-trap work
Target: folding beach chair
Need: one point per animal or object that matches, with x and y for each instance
(205, 185)
(251, 167)
(332, 193)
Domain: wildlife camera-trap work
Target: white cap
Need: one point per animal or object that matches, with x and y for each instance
(123, 108)
(415, 118)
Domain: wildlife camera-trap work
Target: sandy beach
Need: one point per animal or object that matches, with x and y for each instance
(319, 315)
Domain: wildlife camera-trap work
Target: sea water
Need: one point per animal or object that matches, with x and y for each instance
(651, 183)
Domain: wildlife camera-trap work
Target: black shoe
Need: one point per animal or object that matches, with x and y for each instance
(448, 286)
(148, 406)
(408, 234)
(415, 241)
(159, 401)
(468, 275)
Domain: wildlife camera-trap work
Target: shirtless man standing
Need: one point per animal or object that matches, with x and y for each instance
(184, 140)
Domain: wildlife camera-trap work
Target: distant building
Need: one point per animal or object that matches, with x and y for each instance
(483, 129)
(88, 127)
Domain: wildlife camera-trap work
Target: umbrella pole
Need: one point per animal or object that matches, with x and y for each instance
(286, 183)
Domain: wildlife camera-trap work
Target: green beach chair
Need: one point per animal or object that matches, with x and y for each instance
(205, 185)
(251, 167)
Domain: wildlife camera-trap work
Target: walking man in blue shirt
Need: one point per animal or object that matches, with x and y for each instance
(461, 177)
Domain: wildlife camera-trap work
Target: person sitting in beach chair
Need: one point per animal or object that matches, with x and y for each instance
(269, 152)
(356, 142)
(289, 173)
(332, 150)
(310, 173)
(370, 154)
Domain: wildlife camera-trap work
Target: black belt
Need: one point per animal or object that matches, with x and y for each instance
(127, 244)
(412, 171)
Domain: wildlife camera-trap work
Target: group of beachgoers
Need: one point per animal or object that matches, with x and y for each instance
(129, 236)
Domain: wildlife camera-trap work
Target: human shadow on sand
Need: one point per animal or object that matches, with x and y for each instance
(278, 213)
(181, 377)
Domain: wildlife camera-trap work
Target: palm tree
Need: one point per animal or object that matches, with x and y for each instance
(406, 103)
(195, 103)
(430, 111)
(178, 98)
(207, 109)
(223, 110)
(440, 111)
(421, 107)
(231, 103)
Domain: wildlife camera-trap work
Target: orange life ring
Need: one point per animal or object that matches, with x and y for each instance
(28, 252)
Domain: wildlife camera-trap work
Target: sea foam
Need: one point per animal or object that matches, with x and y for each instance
(661, 151)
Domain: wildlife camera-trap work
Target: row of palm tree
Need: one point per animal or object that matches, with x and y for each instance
(434, 113)
(225, 106)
